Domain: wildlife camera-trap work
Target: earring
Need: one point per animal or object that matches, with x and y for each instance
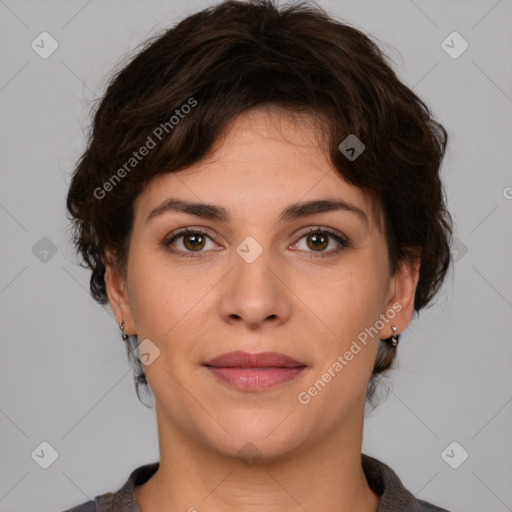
(394, 338)
(121, 326)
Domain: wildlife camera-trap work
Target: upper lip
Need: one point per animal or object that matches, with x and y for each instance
(240, 359)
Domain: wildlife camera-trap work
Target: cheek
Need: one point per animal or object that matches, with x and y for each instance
(349, 303)
(350, 306)
(157, 307)
(350, 298)
(164, 299)
(151, 292)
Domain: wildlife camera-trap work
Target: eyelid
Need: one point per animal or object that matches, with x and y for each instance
(322, 229)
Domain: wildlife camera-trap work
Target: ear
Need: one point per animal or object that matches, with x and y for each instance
(402, 291)
(118, 297)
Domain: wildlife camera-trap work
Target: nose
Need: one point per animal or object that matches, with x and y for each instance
(255, 294)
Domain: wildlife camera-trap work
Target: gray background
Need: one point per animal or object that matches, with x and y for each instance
(65, 378)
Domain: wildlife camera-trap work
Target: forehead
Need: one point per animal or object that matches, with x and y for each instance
(264, 159)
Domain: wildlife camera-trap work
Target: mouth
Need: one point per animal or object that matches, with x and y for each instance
(254, 372)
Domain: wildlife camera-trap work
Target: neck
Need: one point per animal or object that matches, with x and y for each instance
(325, 476)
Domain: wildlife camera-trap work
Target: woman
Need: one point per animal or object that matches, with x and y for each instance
(260, 204)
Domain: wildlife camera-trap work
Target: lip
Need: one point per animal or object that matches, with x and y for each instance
(254, 372)
(239, 359)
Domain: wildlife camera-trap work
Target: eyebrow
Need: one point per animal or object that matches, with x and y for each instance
(291, 212)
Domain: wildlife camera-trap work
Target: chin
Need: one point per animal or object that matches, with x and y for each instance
(257, 439)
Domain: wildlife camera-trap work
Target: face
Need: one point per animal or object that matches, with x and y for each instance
(306, 286)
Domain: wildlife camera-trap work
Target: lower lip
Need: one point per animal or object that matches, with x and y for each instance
(255, 379)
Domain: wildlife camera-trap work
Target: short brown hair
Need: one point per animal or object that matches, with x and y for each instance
(241, 55)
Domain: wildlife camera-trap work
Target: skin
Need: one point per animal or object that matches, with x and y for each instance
(311, 309)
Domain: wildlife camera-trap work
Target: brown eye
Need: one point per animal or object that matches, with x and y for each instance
(188, 241)
(317, 241)
(193, 241)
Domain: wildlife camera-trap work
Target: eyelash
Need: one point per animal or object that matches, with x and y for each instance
(344, 243)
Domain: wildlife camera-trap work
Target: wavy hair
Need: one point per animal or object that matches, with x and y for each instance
(236, 56)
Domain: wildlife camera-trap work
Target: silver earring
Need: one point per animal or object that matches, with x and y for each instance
(121, 326)
(394, 338)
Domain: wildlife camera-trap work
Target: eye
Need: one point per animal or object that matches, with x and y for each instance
(319, 239)
(191, 241)
(187, 241)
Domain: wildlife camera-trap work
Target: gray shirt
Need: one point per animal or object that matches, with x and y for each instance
(381, 478)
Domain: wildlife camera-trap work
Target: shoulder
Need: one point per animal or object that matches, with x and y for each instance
(428, 507)
(87, 506)
(123, 499)
(394, 497)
